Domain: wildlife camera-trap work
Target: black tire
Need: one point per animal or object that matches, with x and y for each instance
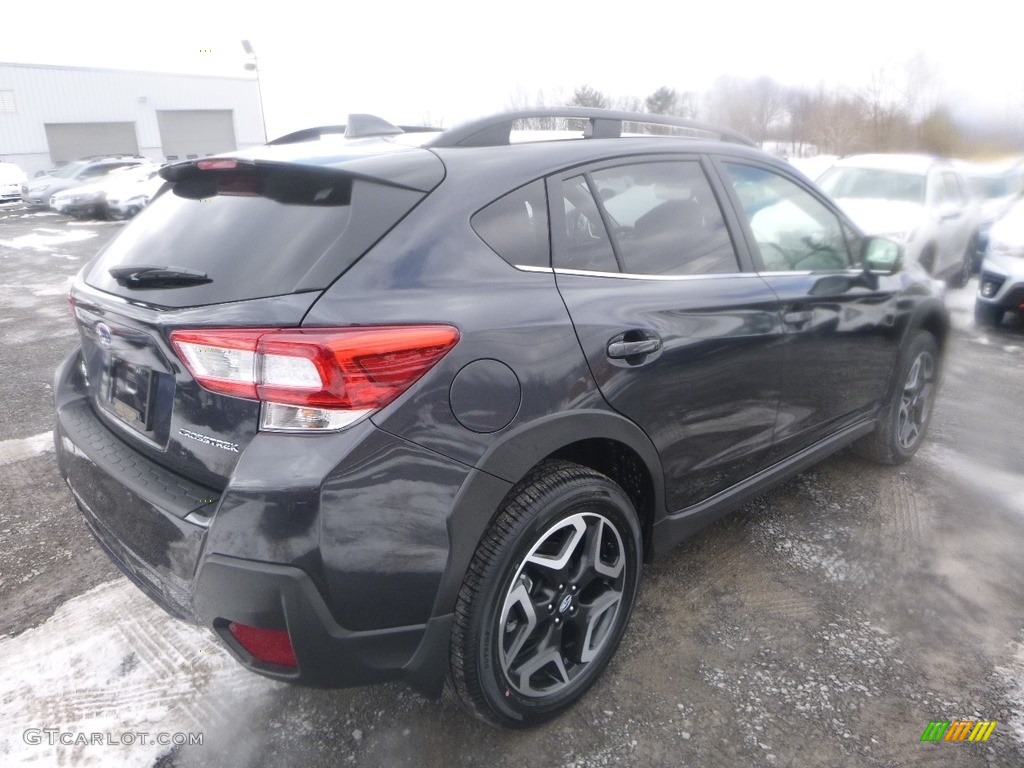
(903, 422)
(988, 315)
(547, 596)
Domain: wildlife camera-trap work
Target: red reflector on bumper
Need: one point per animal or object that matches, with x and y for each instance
(271, 646)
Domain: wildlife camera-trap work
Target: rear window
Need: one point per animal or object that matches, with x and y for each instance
(255, 233)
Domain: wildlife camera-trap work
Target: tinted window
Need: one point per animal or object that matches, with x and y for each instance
(873, 184)
(794, 230)
(665, 219)
(587, 245)
(255, 233)
(516, 226)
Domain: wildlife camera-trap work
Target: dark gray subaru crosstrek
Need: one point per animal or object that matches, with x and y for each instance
(418, 406)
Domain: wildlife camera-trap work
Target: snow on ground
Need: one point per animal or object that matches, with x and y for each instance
(1007, 486)
(112, 663)
(25, 448)
(43, 239)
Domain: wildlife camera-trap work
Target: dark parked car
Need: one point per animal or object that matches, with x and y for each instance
(417, 406)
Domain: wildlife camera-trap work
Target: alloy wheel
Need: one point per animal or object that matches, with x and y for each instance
(916, 400)
(560, 608)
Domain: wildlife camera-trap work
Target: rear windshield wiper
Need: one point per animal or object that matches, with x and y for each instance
(157, 277)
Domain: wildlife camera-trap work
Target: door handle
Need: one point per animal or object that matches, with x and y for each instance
(798, 318)
(632, 344)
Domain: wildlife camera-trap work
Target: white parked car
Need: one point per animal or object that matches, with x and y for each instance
(11, 178)
(1001, 287)
(91, 199)
(129, 192)
(920, 201)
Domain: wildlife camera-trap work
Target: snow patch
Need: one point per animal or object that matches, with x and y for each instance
(25, 448)
(54, 289)
(112, 662)
(1005, 485)
(44, 242)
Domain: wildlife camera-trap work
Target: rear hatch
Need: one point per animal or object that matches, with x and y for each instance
(230, 252)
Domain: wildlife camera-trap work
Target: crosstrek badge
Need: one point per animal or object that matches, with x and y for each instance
(233, 447)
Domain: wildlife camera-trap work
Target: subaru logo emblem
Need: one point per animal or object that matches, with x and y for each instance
(564, 605)
(103, 335)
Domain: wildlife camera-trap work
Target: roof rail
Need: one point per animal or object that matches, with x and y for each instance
(603, 124)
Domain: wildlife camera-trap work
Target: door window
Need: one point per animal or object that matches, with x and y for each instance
(655, 218)
(793, 230)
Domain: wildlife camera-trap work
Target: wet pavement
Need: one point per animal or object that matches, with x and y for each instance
(825, 624)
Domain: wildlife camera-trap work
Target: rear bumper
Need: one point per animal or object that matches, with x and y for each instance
(203, 554)
(329, 655)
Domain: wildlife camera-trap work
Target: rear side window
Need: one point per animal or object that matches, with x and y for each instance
(256, 233)
(516, 226)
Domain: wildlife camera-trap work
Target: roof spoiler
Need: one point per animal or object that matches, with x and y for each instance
(601, 124)
(358, 127)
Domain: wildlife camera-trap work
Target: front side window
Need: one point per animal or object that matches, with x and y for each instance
(652, 218)
(793, 230)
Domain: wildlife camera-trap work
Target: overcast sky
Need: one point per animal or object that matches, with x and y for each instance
(449, 61)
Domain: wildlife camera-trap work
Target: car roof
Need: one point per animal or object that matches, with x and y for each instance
(905, 162)
(486, 146)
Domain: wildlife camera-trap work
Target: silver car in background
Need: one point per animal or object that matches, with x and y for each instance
(996, 185)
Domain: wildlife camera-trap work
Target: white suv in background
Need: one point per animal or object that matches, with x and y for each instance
(1001, 287)
(920, 201)
(11, 178)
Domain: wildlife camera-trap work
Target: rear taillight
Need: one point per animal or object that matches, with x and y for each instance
(315, 378)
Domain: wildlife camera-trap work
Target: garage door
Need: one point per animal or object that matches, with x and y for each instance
(70, 141)
(190, 133)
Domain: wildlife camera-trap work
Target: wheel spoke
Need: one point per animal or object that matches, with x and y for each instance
(559, 561)
(549, 659)
(595, 619)
(519, 620)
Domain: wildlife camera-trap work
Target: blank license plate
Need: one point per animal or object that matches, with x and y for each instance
(130, 392)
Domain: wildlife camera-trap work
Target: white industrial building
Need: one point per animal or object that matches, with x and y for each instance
(51, 115)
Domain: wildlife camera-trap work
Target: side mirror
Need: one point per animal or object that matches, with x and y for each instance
(882, 256)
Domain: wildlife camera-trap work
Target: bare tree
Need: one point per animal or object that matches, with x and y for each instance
(754, 107)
